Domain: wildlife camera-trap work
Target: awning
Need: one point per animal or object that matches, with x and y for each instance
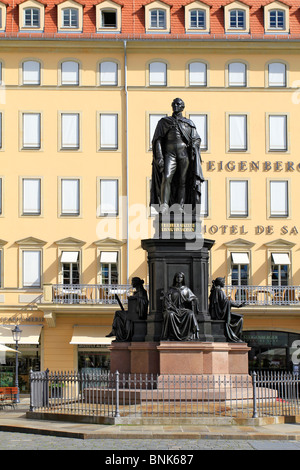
(108, 257)
(91, 335)
(30, 334)
(69, 256)
(6, 349)
(240, 258)
(281, 258)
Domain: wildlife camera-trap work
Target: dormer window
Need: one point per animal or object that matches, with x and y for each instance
(158, 19)
(237, 19)
(70, 18)
(197, 19)
(277, 19)
(109, 18)
(31, 18)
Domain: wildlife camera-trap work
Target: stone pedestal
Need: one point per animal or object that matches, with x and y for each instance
(167, 257)
(180, 358)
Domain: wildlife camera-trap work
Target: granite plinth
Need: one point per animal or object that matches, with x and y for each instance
(180, 358)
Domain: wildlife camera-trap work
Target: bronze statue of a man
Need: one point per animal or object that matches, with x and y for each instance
(176, 171)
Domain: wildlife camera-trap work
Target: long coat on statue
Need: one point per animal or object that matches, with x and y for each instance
(195, 177)
(220, 309)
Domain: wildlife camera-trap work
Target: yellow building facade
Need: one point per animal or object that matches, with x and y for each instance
(76, 124)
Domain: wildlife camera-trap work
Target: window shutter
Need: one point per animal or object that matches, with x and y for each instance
(277, 133)
(279, 198)
(239, 198)
(69, 73)
(70, 197)
(238, 132)
(31, 72)
(277, 74)
(70, 130)
(237, 74)
(31, 130)
(158, 74)
(31, 268)
(109, 131)
(108, 73)
(204, 199)
(31, 196)
(198, 74)
(109, 197)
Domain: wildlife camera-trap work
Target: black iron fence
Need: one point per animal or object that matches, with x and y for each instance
(141, 395)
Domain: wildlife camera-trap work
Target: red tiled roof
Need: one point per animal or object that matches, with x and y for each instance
(133, 19)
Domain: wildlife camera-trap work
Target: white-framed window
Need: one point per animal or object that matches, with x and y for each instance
(31, 72)
(70, 18)
(31, 196)
(237, 74)
(109, 267)
(279, 198)
(277, 19)
(70, 267)
(200, 121)
(70, 73)
(108, 131)
(31, 264)
(237, 19)
(1, 131)
(197, 19)
(70, 131)
(108, 73)
(70, 197)
(109, 197)
(108, 18)
(153, 121)
(276, 74)
(278, 133)
(31, 17)
(197, 74)
(280, 265)
(204, 199)
(157, 74)
(240, 269)
(157, 19)
(31, 131)
(1, 197)
(238, 132)
(238, 198)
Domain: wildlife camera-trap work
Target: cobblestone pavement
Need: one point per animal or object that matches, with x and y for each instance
(21, 441)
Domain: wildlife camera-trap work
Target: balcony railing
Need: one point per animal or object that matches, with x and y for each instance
(104, 294)
(264, 295)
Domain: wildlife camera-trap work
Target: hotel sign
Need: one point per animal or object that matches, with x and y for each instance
(253, 166)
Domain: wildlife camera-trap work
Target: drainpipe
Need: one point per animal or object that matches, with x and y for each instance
(127, 154)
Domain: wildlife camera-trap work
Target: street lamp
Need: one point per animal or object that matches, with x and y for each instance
(16, 333)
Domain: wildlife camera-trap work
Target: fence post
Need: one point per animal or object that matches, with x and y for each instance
(31, 407)
(254, 395)
(117, 411)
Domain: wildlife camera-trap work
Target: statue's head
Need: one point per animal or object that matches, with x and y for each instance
(136, 282)
(179, 278)
(219, 281)
(178, 105)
